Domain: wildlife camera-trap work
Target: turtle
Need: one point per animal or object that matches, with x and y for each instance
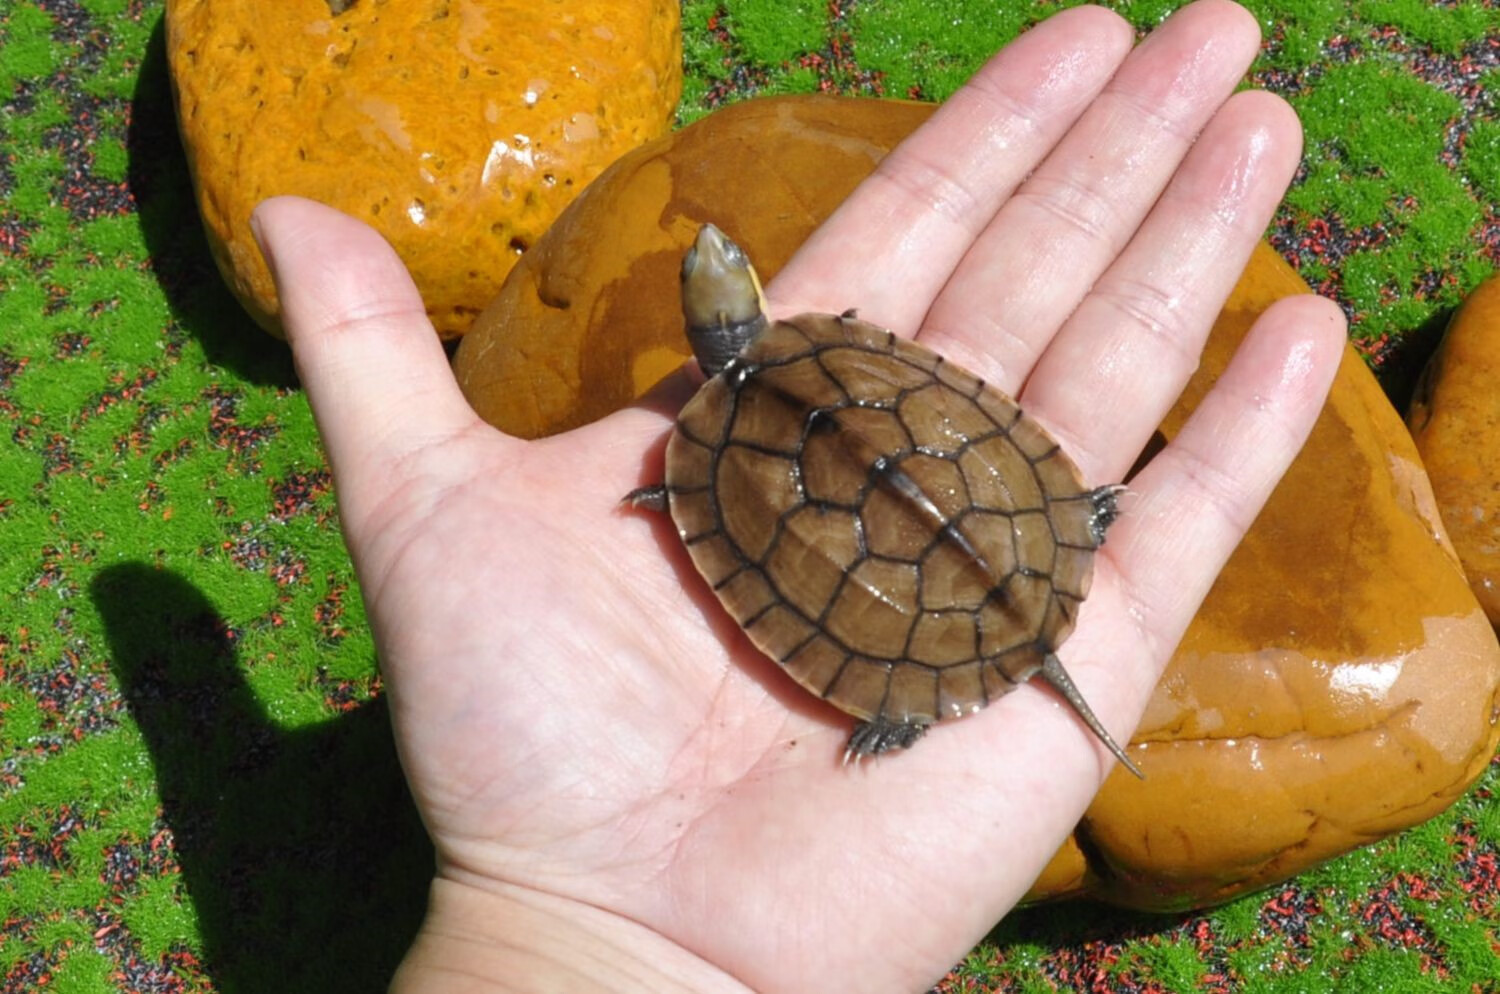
(896, 534)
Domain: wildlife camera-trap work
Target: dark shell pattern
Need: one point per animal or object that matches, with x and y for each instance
(902, 538)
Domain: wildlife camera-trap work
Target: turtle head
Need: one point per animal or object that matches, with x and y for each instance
(721, 299)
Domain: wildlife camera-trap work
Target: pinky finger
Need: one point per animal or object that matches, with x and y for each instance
(1198, 497)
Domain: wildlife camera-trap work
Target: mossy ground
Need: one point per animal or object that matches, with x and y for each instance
(197, 787)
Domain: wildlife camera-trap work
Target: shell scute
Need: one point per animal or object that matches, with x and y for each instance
(704, 418)
(715, 556)
(945, 638)
(893, 526)
(861, 687)
(768, 420)
(876, 376)
(996, 678)
(766, 487)
(999, 477)
(779, 631)
(812, 556)
(961, 689)
(941, 420)
(1074, 521)
(817, 664)
(800, 381)
(874, 609)
(911, 695)
(952, 578)
(746, 593)
(694, 512)
(936, 483)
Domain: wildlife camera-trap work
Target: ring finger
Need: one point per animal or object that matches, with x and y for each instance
(1046, 247)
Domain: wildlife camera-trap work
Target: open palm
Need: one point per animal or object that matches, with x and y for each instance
(618, 785)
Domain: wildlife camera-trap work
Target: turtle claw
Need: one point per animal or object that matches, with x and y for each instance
(871, 738)
(1105, 501)
(652, 498)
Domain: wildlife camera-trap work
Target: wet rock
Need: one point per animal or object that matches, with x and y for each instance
(1340, 682)
(1456, 423)
(458, 128)
(590, 320)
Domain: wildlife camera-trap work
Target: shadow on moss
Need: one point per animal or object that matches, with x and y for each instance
(301, 849)
(158, 178)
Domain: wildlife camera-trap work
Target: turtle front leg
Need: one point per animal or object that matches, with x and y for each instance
(652, 498)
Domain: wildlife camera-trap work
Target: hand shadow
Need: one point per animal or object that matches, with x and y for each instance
(300, 848)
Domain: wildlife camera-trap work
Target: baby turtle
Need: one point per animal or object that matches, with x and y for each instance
(901, 538)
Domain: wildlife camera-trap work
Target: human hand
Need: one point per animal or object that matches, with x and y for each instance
(620, 789)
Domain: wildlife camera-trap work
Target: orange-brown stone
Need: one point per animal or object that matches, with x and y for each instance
(1340, 682)
(589, 319)
(458, 128)
(1456, 423)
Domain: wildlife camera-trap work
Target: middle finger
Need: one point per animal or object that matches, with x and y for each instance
(1042, 253)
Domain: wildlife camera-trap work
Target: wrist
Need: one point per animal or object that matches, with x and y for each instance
(502, 939)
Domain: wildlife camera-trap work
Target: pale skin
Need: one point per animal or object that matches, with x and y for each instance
(623, 795)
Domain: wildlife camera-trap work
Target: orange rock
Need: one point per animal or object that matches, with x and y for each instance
(458, 128)
(1340, 682)
(1456, 423)
(589, 319)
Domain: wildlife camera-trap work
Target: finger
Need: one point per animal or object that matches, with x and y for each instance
(1193, 503)
(1067, 223)
(922, 207)
(374, 370)
(1123, 357)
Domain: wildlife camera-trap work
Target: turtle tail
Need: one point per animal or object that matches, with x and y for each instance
(1052, 671)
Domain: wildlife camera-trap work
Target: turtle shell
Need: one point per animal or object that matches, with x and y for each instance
(903, 539)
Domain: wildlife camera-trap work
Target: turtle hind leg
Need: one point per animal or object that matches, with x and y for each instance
(871, 738)
(652, 498)
(1052, 671)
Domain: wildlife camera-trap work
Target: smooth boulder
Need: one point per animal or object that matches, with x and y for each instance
(590, 319)
(1339, 684)
(1455, 420)
(457, 128)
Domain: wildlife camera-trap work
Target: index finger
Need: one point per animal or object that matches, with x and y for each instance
(892, 244)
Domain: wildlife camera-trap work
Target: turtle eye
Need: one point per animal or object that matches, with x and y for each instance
(689, 263)
(735, 255)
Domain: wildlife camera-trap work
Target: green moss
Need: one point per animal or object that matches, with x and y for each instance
(1176, 965)
(1383, 969)
(84, 971)
(1239, 920)
(1447, 27)
(775, 34)
(1376, 121)
(1145, 14)
(159, 918)
(1256, 963)
(932, 46)
(1299, 32)
(20, 717)
(25, 37)
(107, 9)
(1481, 162)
